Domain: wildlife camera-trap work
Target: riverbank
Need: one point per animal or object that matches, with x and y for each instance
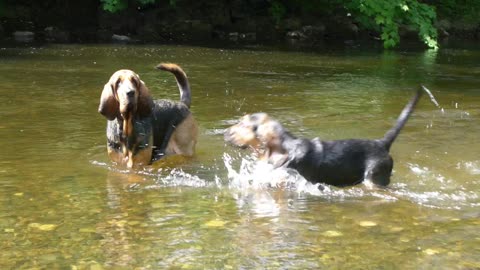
(190, 22)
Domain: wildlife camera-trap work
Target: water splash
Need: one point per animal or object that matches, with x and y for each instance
(154, 178)
(472, 167)
(251, 183)
(441, 192)
(177, 177)
(457, 200)
(258, 175)
(248, 175)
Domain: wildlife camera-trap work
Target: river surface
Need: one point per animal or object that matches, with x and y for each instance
(64, 205)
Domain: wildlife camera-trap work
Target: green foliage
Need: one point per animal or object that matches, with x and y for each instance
(146, 2)
(459, 10)
(114, 5)
(2, 8)
(387, 15)
(118, 5)
(384, 16)
(277, 11)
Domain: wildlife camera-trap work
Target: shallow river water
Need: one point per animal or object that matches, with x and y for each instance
(63, 205)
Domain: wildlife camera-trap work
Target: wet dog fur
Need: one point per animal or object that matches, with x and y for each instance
(140, 129)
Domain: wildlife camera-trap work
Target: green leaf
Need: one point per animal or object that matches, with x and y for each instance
(387, 15)
(114, 5)
(277, 11)
(379, 19)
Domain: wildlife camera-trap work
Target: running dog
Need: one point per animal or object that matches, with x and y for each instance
(339, 162)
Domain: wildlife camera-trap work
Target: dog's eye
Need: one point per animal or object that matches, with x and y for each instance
(254, 128)
(136, 82)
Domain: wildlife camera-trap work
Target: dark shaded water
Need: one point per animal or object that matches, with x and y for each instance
(63, 205)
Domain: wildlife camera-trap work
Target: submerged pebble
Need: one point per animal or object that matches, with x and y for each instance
(396, 229)
(367, 223)
(431, 251)
(332, 233)
(43, 227)
(215, 223)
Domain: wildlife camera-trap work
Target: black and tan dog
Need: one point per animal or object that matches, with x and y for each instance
(140, 129)
(338, 163)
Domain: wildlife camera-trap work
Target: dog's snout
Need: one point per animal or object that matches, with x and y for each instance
(131, 93)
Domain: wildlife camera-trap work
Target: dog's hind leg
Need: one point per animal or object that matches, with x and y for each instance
(184, 138)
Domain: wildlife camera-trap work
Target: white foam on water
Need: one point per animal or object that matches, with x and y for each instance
(442, 192)
(159, 177)
(472, 167)
(252, 180)
(177, 177)
(260, 175)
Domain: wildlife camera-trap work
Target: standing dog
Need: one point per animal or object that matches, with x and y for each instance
(338, 163)
(140, 129)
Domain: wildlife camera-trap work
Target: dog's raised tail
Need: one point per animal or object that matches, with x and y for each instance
(182, 81)
(392, 134)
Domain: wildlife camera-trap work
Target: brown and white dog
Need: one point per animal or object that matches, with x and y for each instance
(338, 163)
(140, 129)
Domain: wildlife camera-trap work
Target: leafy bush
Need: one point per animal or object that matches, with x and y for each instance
(387, 15)
(118, 5)
(384, 16)
(459, 10)
(114, 5)
(277, 11)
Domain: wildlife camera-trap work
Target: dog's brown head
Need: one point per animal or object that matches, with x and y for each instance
(125, 95)
(261, 133)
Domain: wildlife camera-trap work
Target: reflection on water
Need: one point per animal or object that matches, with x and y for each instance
(64, 205)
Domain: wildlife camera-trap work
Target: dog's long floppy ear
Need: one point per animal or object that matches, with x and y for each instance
(109, 106)
(145, 101)
(276, 158)
(270, 134)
